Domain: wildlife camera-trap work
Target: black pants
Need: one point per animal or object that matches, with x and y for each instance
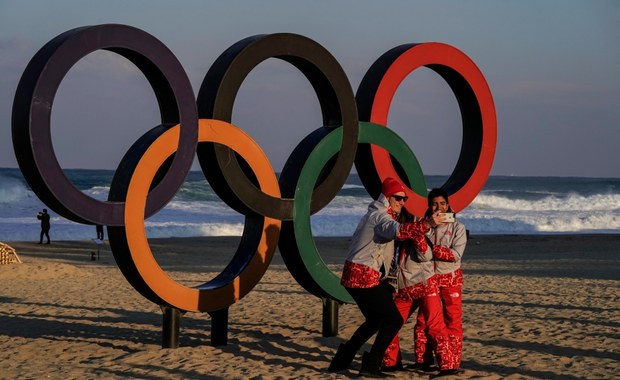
(382, 317)
(99, 229)
(46, 232)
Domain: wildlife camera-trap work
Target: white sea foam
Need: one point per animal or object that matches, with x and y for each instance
(506, 206)
(12, 190)
(168, 229)
(575, 202)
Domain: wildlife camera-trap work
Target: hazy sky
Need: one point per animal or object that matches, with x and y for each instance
(552, 66)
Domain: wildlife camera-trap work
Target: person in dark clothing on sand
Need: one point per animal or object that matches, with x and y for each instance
(99, 232)
(44, 217)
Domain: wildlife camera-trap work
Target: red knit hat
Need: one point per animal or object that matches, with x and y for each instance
(391, 186)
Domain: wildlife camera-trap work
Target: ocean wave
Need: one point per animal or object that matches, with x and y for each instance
(13, 190)
(170, 229)
(567, 202)
(505, 206)
(539, 222)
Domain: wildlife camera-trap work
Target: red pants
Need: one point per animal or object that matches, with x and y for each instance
(452, 316)
(430, 308)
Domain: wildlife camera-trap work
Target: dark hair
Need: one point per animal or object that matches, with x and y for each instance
(434, 193)
(437, 192)
(405, 216)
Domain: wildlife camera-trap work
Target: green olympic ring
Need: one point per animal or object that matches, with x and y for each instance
(326, 280)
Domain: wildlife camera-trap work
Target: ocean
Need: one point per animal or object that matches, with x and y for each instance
(506, 205)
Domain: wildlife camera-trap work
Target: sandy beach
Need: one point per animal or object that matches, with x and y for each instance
(535, 307)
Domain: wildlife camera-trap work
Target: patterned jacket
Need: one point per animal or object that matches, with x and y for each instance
(416, 270)
(372, 246)
(448, 246)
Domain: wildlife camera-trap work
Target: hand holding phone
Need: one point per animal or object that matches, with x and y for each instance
(448, 217)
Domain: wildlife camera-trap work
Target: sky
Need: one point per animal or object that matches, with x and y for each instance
(552, 67)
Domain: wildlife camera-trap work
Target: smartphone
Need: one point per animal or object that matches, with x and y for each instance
(448, 217)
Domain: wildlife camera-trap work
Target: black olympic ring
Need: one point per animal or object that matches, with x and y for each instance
(33, 105)
(216, 99)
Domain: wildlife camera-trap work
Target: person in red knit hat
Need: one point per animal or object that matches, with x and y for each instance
(365, 277)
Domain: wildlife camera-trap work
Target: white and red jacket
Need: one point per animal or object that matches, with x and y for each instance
(372, 246)
(448, 245)
(415, 271)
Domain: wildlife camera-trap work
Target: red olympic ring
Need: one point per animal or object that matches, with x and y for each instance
(479, 118)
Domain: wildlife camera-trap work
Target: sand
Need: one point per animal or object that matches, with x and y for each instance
(535, 307)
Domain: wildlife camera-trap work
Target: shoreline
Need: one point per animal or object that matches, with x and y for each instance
(535, 307)
(597, 254)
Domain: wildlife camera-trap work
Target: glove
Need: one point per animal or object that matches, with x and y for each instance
(412, 229)
(443, 253)
(419, 242)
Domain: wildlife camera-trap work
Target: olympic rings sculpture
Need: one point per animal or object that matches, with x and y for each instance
(277, 211)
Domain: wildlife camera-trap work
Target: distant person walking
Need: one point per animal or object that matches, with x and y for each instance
(44, 217)
(99, 232)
